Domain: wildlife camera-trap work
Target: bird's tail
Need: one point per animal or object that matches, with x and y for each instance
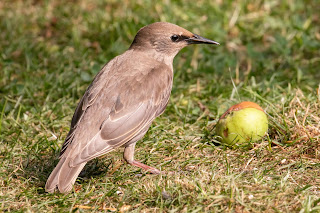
(63, 176)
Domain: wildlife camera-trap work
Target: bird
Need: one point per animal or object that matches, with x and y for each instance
(121, 102)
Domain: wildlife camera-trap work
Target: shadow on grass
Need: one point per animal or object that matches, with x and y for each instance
(36, 169)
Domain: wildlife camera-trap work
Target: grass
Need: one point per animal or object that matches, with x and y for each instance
(269, 54)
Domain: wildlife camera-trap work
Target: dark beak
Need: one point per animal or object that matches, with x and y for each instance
(196, 39)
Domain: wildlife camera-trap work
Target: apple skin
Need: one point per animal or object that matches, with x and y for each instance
(243, 122)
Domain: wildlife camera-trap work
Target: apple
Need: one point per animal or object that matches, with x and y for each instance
(243, 122)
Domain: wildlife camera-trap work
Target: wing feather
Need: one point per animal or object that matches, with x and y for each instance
(115, 133)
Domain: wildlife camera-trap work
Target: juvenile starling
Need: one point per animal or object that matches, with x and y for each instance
(120, 104)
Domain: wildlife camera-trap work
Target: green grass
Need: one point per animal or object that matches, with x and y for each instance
(269, 54)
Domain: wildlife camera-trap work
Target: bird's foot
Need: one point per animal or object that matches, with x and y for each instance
(146, 167)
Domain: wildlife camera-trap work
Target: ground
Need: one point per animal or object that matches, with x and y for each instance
(269, 54)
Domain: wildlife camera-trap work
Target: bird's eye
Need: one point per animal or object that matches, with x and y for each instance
(174, 38)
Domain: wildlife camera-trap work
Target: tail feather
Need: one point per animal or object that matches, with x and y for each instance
(63, 176)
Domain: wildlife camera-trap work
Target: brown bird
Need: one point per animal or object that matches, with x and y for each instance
(124, 98)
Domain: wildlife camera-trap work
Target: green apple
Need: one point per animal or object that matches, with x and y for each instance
(243, 122)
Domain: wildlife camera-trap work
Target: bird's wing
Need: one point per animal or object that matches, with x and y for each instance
(114, 132)
(121, 110)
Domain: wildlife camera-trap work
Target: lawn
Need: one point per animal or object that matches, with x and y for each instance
(269, 54)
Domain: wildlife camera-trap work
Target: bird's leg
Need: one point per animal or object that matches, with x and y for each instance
(128, 155)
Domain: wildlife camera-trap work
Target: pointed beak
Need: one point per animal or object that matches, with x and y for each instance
(196, 39)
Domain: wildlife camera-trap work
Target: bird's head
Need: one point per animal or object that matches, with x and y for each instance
(166, 38)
